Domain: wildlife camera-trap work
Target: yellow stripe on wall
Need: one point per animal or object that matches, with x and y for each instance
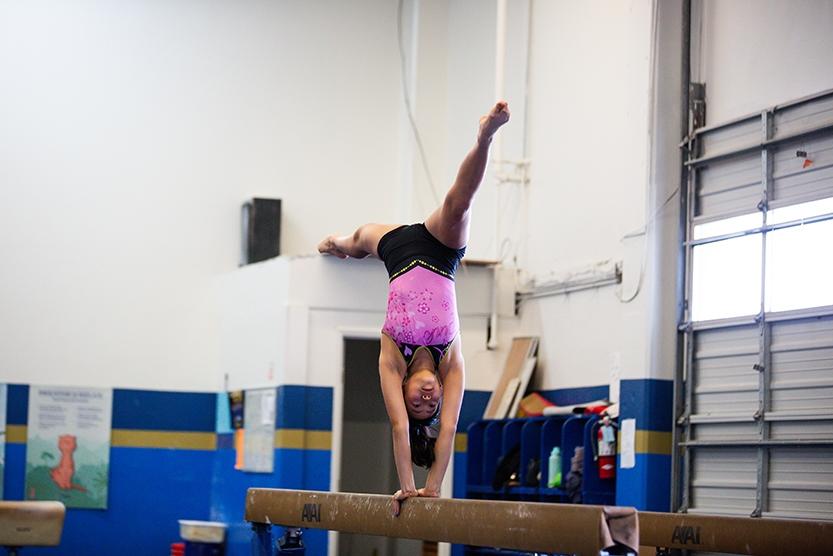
(301, 439)
(183, 440)
(646, 442)
(653, 442)
(461, 442)
(131, 438)
(650, 442)
(16, 434)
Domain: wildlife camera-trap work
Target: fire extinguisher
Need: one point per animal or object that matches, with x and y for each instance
(605, 447)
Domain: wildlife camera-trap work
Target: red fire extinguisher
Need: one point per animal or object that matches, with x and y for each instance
(605, 455)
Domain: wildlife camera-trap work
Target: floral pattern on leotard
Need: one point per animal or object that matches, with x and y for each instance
(422, 309)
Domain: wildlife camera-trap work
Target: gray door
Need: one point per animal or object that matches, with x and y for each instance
(367, 464)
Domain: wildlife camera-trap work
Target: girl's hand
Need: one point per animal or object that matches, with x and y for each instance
(428, 493)
(398, 497)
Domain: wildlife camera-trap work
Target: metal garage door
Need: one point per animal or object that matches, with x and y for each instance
(755, 434)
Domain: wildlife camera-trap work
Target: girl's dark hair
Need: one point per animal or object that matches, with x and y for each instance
(422, 446)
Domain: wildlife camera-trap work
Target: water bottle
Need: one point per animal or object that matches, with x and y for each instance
(554, 477)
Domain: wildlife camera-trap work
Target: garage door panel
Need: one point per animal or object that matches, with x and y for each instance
(735, 340)
(801, 482)
(728, 403)
(729, 187)
(796, 179)
(724, 432)
(727, 139)
(723, 480)
(802, 367)
(800, 117)
(802, 430)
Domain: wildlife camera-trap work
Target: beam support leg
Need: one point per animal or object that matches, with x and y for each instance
(262, 539)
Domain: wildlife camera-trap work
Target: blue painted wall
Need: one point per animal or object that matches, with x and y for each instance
(228, 497)
(150, 489)
(300, 408)
(648, 485)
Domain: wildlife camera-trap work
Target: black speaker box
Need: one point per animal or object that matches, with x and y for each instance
(261, 230)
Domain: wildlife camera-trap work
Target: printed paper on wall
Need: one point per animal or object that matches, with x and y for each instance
(259, 424)
(68, 445)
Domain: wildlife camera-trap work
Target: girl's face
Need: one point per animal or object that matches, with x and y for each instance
(422, 393)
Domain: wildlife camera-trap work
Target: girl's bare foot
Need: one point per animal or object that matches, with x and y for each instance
(491, 122)
(328, 245)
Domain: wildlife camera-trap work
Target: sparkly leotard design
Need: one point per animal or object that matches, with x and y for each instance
(422, 305)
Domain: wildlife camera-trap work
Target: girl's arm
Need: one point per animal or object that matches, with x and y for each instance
(453, 385)
(391, 382)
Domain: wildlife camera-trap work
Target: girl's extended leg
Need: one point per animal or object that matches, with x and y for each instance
(359, 244)
(450, 222)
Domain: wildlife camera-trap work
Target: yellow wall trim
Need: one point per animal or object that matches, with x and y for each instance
(182, 440)
(130, 438)
(301, 439)
(647, 442)
(650, 442)
(16, 434)
(461, 442)
(653, 442)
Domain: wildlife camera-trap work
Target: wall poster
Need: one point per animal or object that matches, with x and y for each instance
(68, 445)
(259, 426)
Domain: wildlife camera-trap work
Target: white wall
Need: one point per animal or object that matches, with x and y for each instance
(589, 148)
(253, 318)
(758, 53)
(131, 134)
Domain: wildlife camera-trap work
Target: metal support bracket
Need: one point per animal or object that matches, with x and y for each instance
(697, 104)
(518, 171)
(290, 544)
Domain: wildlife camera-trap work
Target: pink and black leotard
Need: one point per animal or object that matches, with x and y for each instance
(422, 305)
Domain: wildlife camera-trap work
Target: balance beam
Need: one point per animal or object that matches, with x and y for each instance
(735, 535)
(512, 525)
(31, 523)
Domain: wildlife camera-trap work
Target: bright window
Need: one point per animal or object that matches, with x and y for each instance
(726, 274)
(726, 278)
(728, 225)
(799, 267)
(797, 212)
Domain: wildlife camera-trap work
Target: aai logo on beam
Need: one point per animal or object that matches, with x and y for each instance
(311, 512)
(683, 534)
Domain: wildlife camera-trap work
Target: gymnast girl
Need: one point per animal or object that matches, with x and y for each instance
(421, 366)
